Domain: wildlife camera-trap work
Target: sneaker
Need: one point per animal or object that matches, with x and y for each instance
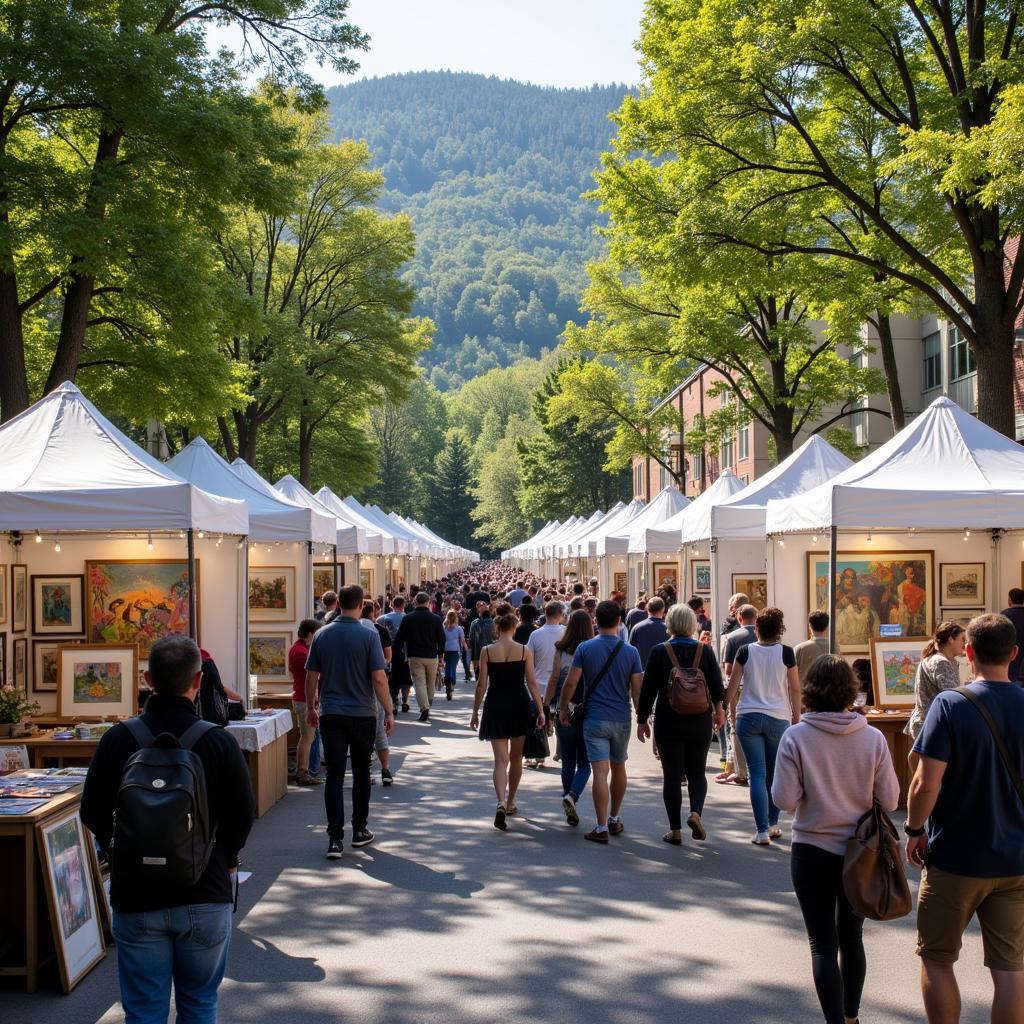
(499, 818)
(572, 816)
(305, 779)
(386, 777)
(448, 692)
(334, 848)
(425, 715)
(761, 839)
(775, 832)
(616, 828)
(597, 837)
(405, 707)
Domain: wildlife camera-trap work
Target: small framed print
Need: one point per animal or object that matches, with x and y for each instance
(19, 669)
(71, 894)
(97, 681)
(620, 582)
(44, 666)
(754, 585)
(19, 598)
(57, 605)
(268, 656)
(271, 593)
(3, 594)
(665, 574)
(894, 668)
(962, 584)
(961, 616)
(700, 576)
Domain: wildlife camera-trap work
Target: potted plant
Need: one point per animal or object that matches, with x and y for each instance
(14, 706)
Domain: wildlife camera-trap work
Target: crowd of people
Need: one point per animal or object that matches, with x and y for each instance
(556, 660)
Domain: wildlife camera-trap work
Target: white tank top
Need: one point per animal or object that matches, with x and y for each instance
(765, 681)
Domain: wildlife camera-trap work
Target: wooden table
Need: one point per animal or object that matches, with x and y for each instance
(26, 920)
(268, 766)
(891, 726)
(46, 752)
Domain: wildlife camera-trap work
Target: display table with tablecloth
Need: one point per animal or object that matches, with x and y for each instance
(46, 752)
(281, 702)
(264, 742)
(891, 724)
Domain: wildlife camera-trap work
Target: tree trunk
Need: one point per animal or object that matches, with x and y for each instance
(226, 437)
(993, 320)
(892, 377)
(305, 449)
(782, 432)
(13, 380)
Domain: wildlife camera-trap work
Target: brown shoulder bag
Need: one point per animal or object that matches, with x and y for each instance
(873, 876)
(687, 688)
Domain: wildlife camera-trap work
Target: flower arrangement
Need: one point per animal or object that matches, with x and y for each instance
(14, 706)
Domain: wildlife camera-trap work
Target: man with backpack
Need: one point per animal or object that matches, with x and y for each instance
(168, 798)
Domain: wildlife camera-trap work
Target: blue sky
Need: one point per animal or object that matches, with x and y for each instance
(549, 42)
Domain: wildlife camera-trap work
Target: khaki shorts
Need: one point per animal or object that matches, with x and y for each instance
(305, 731)
(947, 902)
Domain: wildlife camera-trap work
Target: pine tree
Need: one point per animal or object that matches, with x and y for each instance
(451, 500)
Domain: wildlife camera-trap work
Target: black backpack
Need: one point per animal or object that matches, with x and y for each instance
(162, 833)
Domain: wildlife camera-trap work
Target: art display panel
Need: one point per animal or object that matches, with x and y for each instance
(138, 602)
(874, 588)
(268, 656)
(97, 681)
(57, 605)
(271, 593)
(894, 667)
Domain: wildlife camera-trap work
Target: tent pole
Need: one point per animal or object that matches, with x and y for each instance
(247, 691)
(193, 631)
(309, 589)
(833, 535)
(334, 548)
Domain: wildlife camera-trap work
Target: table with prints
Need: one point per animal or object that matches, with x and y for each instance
(264, 742)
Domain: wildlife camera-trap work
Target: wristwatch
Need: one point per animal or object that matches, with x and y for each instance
(913, 832)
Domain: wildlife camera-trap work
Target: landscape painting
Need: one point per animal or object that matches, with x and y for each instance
(323, 580)
(962, 583)
(874, 589)
(271, 592)
(130, 602)
(97, 680)
(57, 605)
(894, 667)
(268, 656)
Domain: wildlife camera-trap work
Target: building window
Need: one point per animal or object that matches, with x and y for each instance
(662, 477)
(932, 347)
(698, 468)
(743, 442)
(727, 447)
(961, 360)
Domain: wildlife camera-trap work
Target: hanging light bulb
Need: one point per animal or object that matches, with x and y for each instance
(219, 539)
(814, 539)
(181, 534)
(149, 542)
(967, 535)
(39, 537)
(781, 542)
(56, 546)
(254, 545)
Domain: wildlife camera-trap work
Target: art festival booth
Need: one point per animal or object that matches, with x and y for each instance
(391, 548)
(284, 539)
(543, 554)
(651, 563)
(521, 555)
(570, 567)
(593, 549)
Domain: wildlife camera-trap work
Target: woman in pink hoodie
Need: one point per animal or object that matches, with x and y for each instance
(830, 768)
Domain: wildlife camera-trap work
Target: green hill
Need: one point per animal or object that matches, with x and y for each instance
(491, 172)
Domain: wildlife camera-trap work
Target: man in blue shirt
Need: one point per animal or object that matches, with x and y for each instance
(649, 632)
(611, 674)
(965, 820)
(516, 595)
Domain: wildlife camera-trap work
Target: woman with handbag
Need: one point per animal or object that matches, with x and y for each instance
(831, 768)
(572, 750)
(683, 737)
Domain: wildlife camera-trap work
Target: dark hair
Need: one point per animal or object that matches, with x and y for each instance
(528, 613)
(944, 632)
(992, 639)
(350, 598)
(328, 597)
(422, 598)
(769, 624)
(503, 608)
(307, 627)
(830, 684)
(578, 588)
(696, 602)
(608, 614)
(818, 621)
(398, 602)
(580, 628)
(553, 609)
(576, 604)
(368, 607)
(1016, 595)
(505, 621)
(527, 600)
(174, 663)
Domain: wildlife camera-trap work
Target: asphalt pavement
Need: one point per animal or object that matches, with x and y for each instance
(445, 919)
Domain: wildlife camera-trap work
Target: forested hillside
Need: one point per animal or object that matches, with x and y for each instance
(491, 172)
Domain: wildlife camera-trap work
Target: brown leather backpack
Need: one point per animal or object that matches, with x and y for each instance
(873, 876)
(687, 688)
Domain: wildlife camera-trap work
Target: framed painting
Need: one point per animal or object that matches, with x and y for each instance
(323, 580)
(71, 894)
(97, 681)
(962, 584)
(44, 666)
(3, 659)
(894, 666)
(19, 598)
(271, 593)
(665, 574)
(754, 585)
(872, 588)
(366, 581)
(620, 582)
(700, 576)
(129, 602)
(19, 666)
(57, 605)
(3, 594)
(961, 616)
(268, 657)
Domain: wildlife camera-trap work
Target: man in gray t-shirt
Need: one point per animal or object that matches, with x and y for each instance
(345, 678)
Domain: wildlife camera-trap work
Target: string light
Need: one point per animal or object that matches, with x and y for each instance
(39, 537)
(200, 535)
(781, 542)
(56, 546)
(869, 536)
(149, 542)
(814, 539)
(967, 535)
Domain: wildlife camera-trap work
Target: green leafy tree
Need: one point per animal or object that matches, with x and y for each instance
(451, 500)
(497, 511)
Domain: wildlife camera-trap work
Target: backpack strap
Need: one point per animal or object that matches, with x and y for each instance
(671, 654)
(188, 739)
(997, 735)
(140, 731)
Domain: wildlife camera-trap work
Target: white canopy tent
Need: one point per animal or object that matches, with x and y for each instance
(330, 501)
(943, 476)
(590, 547)
(351, 538)
(518, 554)
(632, 548)
(69, 473)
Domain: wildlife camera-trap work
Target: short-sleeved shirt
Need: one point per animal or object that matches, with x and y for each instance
(977, 825)
(646, 635)
(736, 641)
(1015, 613)
(515, 597)
(297, 667)
(610, 701)
(346, 655)
(542, 643)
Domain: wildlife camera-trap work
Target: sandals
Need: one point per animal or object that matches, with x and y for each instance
(697, 827)
(726, 778)
(499, 818)
(672, 839)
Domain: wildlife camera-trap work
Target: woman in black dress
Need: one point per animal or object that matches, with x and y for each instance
(506, 676)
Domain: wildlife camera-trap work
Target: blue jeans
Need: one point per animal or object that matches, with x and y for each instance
(187, 945)
(606, 740)
(760, 736)
(451, 663)
(575, 764)
(466, 667)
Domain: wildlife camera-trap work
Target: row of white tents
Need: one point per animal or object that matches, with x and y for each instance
(75, 489)
(946, 486)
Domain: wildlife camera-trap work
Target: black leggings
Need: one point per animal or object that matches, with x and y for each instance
(685, 756)
(835, 932)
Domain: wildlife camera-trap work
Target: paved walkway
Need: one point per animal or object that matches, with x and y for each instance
(446, 919)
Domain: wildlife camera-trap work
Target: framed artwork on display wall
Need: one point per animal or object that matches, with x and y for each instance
(19, 598)
(97, 681)
(3, 594)
(71, 894)
(665, 574)
(620, 582)
(271, 593)
(754, 585)
(57, 605)
(19, 669)
(366, 581)
(874, 588)
(961, 616)
(962, 584)
(700, 576)
(45, 669)
(894, 666)
(323, 580)
(268, 656)
(138, 602)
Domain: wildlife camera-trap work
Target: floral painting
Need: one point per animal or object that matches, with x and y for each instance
(137, 602)
(268, 656)
(97, 682)
(271, 592)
